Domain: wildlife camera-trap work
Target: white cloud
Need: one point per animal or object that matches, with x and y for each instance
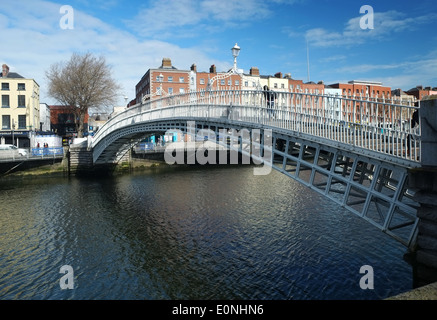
(385, 25)
(407, 74)
(32, 40)
(185, 18)
(334, 58)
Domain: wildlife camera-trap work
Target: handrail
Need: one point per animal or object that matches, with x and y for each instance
(374, 124)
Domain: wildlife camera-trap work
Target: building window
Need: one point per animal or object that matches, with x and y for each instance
(237, 82)
(181, 90)
(5, 86)
(170, 90)
(229, 82)
(222, 82)
(6, 122)
(246, 83)
(275, 86)
(21, 101)
(202, 81)
(170, 79)
(22, 86)
(282, 86)
(181, 79)
(5, 101)
(22, 121)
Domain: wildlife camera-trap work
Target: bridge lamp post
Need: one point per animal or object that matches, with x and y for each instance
(161, 79)
(235, 53)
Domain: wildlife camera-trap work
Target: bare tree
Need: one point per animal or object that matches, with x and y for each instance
(82, 83)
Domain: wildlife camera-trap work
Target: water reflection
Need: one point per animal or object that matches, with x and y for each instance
(189, 233)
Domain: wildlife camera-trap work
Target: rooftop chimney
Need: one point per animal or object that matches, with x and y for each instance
(278, 75)
(194, 67)
(212, 69)
(166, 63)
(254, 71)
(5, 70)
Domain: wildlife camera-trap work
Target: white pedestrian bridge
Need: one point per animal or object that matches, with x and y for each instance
(356, 151)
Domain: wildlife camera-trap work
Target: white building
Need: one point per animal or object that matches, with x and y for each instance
(332, 103)
(19, 112)
(44, 117)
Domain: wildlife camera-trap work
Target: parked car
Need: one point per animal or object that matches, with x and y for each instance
(11, 151)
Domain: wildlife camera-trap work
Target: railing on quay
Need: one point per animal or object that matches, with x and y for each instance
(35, 154)
(378, 125)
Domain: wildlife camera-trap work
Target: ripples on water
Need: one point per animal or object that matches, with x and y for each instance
(198, 233)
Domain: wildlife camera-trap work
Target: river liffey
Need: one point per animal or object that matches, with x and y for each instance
(189, 233)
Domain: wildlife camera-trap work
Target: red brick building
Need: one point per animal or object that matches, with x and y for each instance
(420, 92)
(168, 80)
(363, 112)
(165, 80)
(62, 121)
(363, 89)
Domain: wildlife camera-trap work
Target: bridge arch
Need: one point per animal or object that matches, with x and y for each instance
(362, 166)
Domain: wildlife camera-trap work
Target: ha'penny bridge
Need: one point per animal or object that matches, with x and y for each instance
(363, 153)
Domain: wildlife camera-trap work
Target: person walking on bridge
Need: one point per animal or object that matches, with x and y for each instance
(414, 122)
(270, 97)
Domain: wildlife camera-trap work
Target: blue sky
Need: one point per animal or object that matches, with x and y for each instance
(133, 36)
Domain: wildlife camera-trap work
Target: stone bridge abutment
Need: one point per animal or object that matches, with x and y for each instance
(423, 181)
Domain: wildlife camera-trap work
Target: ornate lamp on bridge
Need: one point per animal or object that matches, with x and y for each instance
(235, 52)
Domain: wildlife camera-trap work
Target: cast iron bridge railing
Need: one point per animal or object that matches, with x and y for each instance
(356, 151)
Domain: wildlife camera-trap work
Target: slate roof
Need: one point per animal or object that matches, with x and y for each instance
(13, 75)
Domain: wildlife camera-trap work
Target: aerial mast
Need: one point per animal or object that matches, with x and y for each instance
(308, 61)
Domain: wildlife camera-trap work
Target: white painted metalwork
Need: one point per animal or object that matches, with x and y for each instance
(355, 151)
(374, 127)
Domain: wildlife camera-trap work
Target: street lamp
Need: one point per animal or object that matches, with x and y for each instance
(235, 53)
(161, 79)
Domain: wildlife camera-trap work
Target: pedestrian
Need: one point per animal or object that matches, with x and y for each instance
(269, 96)
(413, 123)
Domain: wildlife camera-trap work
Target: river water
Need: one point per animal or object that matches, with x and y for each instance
(189, 233)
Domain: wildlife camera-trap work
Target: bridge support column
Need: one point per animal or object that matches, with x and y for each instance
(424, 181)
